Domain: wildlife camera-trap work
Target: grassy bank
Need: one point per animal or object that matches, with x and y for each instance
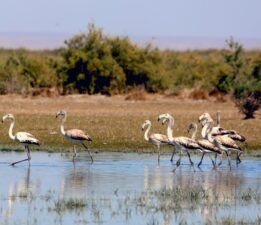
(113, 122)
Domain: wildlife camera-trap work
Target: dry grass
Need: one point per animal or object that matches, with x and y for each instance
(114, 123)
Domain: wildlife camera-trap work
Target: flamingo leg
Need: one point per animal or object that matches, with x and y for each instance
(213, 162)
(178, 161)
(238, 159)
(216, 159)
(27, 159)
(228, 158)
(174, 150)
(221, 157)
(88, 151)
(74, 152)
(158, 147)
(190, 159)
(201, 159)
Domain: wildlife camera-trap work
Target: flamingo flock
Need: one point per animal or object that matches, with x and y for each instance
(27, 139)
(215, 140)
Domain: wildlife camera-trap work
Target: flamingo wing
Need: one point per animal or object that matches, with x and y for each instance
(26, 138)
(159, 137)
(77, 134)
(187, 142)
(227, 142)
(205, 144)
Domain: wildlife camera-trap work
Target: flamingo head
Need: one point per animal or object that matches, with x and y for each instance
(146, 123)
(61, 113)
(9, 116)
(164, 118)
(192, 126)
(205, 118)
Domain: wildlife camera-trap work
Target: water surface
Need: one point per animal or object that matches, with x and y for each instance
(126, 188)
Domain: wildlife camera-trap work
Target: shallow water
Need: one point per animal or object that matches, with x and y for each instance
(125, 188)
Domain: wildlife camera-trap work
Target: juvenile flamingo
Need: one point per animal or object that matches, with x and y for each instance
(219, 131)
(156, 139)
(206, 146)
(74, 135)
(24, 138)
(223, 142)
(181, 143)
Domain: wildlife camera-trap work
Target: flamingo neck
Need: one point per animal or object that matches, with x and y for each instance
(170, 129)
(205, 130)
(146, 134)
(209, 133)
(62, 125)
(11, 130)
(194, 133)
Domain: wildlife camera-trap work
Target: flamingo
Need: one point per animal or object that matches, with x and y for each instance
(74, 135)
(24, 138)
(219, 131)
(181, 143)
(206, 146)
(223, 142)
(156, 139)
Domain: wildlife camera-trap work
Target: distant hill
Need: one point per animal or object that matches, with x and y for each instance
(56, 40)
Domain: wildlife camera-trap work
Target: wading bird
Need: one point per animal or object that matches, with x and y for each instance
(22, 137)
(181, 143)
(74, 135)
(223, 142)
(156, 139)
(219, 131)
(205, 145)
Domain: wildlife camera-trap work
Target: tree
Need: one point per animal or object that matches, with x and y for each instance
(243, 80)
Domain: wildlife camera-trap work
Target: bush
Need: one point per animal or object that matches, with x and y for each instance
(98, 64)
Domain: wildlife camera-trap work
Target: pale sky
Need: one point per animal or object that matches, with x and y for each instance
(190, 18)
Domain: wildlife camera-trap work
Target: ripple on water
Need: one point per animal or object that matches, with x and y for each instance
(125, 188)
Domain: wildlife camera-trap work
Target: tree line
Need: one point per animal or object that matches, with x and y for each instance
(93, 62)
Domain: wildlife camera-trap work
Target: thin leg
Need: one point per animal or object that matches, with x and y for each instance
(74, 152)
(178, 161)
(190, 159)
(238, 159)
(88, 151)
(216, 159)
(158, 146)
(213, 162)
(228, 158)
(221, 158)
(27, 159)
(28, 154)
(174, 150)
(201, 159)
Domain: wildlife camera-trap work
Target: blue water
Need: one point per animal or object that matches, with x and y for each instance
(110, 184)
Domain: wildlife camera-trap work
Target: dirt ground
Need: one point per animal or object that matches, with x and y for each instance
(113, 122)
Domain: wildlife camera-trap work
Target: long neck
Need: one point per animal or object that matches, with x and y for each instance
(218, 119)
(11, 130)
(194, 133)
(62, 123)
(146, 134)
(205, 130)
(209, 133)
(170, 129)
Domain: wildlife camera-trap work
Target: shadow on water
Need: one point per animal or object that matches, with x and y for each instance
(126, 189)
